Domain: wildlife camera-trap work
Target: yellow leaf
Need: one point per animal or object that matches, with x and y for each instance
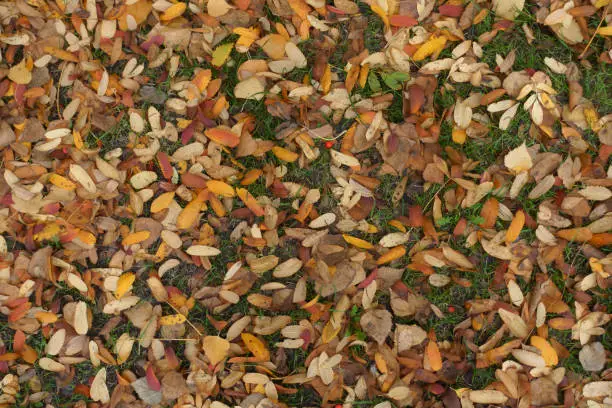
(173, 11)
(190, 214)
(46, 317)
(215, 348)
(220, 188)
(397, 224)
(285, 154)
(135, 238)
(20, 74)
(256, 346)
(60, 54)
(162, 202)
(459, 135)
(86, 237)
(326, 79)
(202, 79)
(300, 7)
(221, 53)
(138, 11)
(124, 284)
(51, 230)
(606, 31)
(169, 320)
(357, 242)
(61, 182)
(363, 75)
(549, 354)
(381, 13)
(432, 46)
(247, 36)
(329, 332)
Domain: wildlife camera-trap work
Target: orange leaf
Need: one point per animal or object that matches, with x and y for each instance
(9, 356)
(489, 212)
(19, 341)
(581, 234)
(46, 317)
(223, 136)
(393, 254)
(600, 240)
(250, 201)
(351, 78)
(251, 177)
(135, 238)
(561, 323)
(202, 79)
(515, 226)
(28, 354)
(548, 352)
(459, 135)
(433, 355)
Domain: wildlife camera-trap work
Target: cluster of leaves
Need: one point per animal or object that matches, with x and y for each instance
(304, 203)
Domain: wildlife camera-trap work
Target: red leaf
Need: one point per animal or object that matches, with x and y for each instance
(18, 341)
(402, 21)
(152, 380)
(450, 10)
(366, 282)
(164, 164)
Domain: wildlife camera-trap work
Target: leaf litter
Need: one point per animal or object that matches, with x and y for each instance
(282, 261)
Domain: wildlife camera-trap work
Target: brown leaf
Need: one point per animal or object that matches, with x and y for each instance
(377, 323)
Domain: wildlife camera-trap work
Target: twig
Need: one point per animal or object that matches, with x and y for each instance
(603, 17)
(186, 319)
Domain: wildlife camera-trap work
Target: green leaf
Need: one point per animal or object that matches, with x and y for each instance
(394, 80)
(374, 82)
(476, 220)
(221, 53)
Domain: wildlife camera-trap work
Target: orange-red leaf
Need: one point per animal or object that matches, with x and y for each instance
(223, 136)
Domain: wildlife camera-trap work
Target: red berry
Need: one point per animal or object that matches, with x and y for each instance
(329, 144)
(337, 405)
(451, 309)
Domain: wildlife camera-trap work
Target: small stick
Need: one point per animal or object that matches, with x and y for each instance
(186, 319)
(603, 17)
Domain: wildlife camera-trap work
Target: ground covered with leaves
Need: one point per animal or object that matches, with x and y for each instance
(305, 203)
